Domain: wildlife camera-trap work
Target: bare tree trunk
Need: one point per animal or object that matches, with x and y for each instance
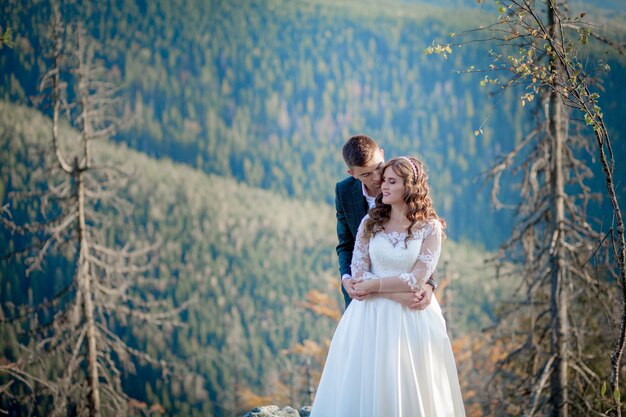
(559, 301)
(602, 138)
(554, 225)
(84, 279)
(57, 54)
(103, 275)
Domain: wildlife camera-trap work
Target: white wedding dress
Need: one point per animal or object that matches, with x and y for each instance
(386, 360)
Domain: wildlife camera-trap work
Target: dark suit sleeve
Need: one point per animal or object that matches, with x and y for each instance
(344, 235)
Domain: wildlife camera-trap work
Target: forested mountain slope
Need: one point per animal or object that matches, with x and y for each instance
(248, 256)
(267, 91)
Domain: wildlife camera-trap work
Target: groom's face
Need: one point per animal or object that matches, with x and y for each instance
(371, 173)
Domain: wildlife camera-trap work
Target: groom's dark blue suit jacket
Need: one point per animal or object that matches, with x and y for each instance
(351, 207)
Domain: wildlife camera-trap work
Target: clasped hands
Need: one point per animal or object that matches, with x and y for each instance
(359, 289)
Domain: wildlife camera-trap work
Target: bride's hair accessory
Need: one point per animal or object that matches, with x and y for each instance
(412, 166)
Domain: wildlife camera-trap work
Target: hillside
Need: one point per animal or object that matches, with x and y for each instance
(267, 91)
(250, 256)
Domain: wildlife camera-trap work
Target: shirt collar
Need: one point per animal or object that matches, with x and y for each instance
(371, 201)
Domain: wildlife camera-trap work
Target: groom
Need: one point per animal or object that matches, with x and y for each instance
(354, 196)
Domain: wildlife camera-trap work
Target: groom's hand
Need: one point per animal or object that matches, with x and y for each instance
(424, 296)
(348, 285)
(406, 299)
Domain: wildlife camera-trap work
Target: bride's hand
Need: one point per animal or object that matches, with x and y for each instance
(368, 286)
(348, 284)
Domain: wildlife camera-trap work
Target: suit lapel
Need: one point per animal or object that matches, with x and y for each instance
(360, 206)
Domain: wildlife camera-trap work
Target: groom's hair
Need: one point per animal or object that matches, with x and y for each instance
(359, 150)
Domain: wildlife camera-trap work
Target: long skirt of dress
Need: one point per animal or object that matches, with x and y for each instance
(386, 360)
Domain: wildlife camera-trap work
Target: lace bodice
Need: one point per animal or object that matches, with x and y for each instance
(385, 255)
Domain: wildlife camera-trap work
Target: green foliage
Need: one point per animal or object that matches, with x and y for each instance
(6, 38)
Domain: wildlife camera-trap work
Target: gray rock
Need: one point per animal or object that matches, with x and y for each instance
(273, 411)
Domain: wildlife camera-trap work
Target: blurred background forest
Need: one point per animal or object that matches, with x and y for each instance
(235, 114)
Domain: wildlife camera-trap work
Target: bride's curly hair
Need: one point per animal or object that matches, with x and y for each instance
(419, 205)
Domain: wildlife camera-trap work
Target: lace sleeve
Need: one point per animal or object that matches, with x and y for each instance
(361, 264)
(428, 257)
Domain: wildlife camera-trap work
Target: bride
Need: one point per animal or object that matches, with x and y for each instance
(386, 360)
